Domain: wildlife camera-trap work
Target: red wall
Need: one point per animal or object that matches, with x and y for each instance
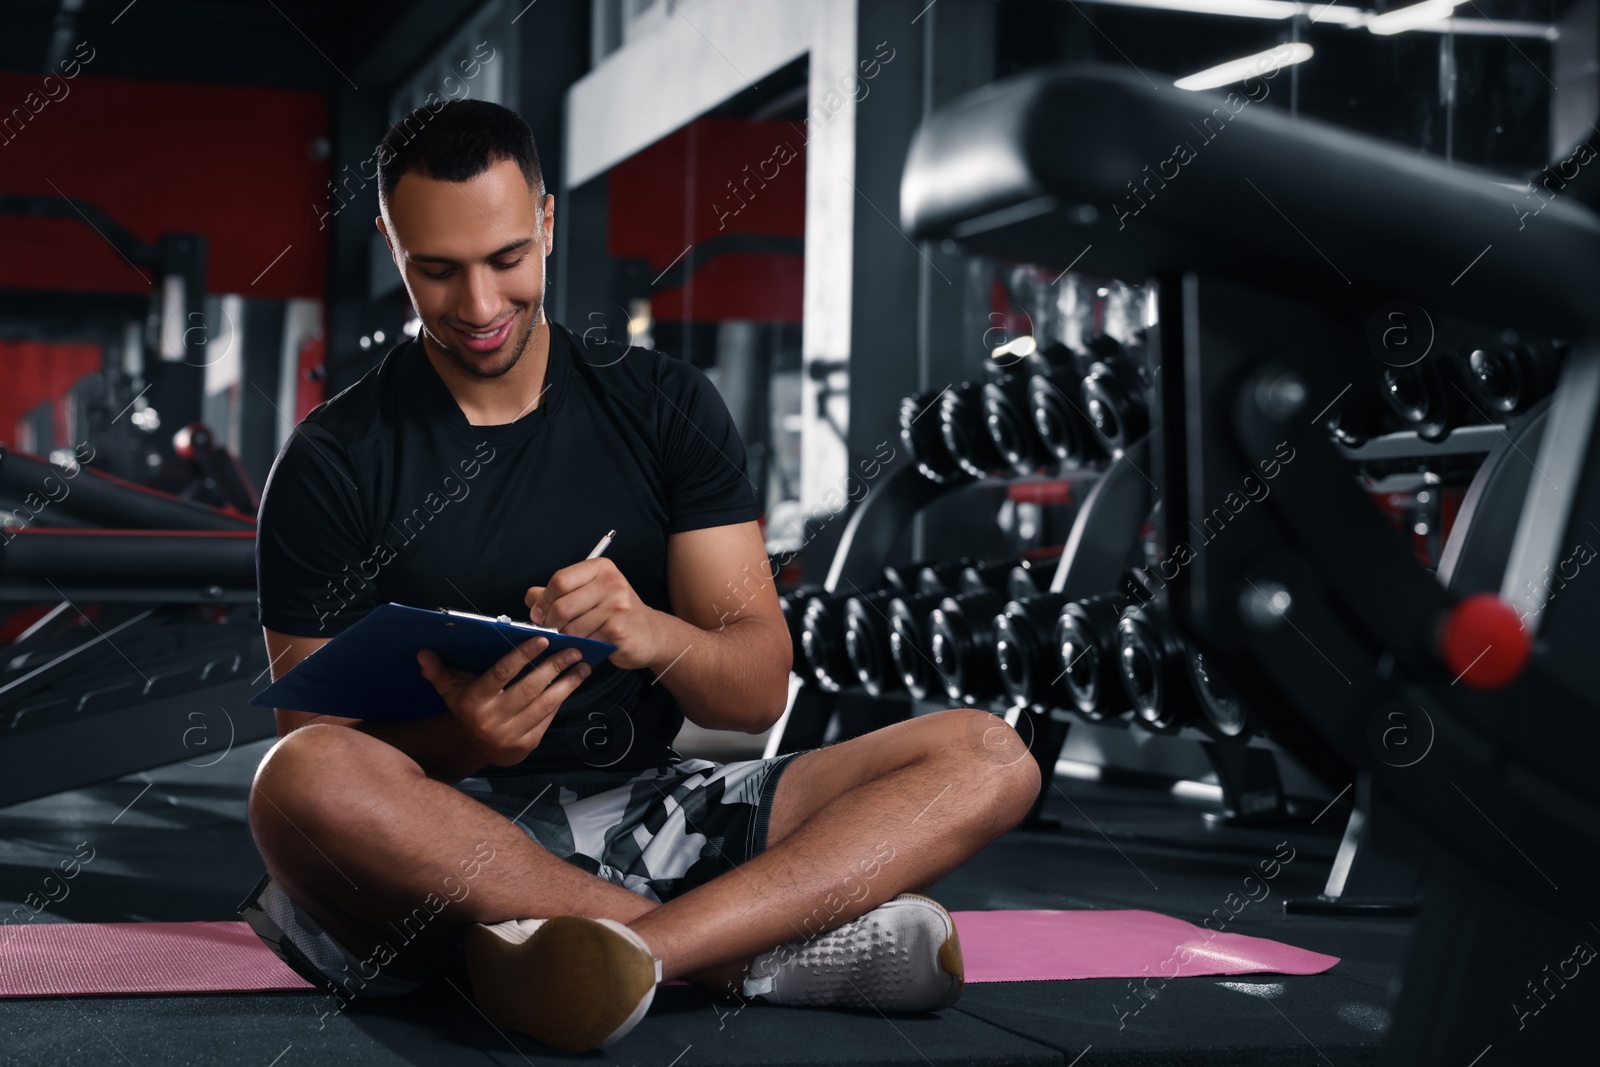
(34, 372)
(676, 192)
(232, 163)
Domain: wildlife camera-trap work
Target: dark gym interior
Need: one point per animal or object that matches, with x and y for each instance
(1203, 388)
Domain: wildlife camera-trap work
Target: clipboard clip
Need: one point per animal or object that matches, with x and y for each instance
(498, 618)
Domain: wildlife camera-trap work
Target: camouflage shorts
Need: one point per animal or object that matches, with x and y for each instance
(658, 832)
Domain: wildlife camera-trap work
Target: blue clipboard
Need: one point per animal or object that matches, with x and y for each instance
(370, 670)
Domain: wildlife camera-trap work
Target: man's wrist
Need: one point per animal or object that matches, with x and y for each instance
(664, 649)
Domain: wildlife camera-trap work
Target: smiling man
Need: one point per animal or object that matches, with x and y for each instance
(548, 828)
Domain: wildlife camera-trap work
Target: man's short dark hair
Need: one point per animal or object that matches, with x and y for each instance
(456, 142)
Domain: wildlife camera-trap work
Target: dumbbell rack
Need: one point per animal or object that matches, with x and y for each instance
(1107, 525)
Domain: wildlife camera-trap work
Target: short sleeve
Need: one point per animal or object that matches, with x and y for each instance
(310, 543)
(703, 455)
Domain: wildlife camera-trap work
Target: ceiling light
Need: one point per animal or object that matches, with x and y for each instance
(1498, 28)
(1327, 14)
(1334, 14)
(1409, 18)
(1236, 70)
(1022, 347)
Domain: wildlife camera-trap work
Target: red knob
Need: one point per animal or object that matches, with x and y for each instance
(1482, 642)
(196, 435)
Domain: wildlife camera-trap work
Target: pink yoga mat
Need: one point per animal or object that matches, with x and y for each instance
(1041, 946)
(86, 959)
(90, 959)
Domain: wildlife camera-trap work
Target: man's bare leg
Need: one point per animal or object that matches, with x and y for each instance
(908, 803)
(353, 829)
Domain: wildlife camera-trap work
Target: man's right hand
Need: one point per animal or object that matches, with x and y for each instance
(506, 724)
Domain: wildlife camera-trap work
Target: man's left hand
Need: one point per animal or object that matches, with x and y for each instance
(591, 598)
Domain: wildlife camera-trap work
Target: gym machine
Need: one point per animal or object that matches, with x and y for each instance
(131, 621)
(1321, 617)
(127, 576)
(175, 321)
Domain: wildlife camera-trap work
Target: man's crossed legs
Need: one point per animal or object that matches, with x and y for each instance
(352, 829)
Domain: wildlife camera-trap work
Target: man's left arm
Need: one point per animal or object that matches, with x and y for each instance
(723, 651)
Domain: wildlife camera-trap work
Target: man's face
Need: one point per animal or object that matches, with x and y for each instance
(472, 255)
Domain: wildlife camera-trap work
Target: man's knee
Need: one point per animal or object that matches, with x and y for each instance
(995, 755)
(972, 735)
(301, 786)
(1022, 782)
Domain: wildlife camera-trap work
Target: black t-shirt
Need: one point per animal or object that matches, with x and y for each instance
(386, 493)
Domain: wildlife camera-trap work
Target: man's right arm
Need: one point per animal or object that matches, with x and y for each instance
(439, 744)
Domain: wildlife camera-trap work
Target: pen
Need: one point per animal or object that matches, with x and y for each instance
(601, 547)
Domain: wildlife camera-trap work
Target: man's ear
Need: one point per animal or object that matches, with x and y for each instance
(549, 217)
(384, 229)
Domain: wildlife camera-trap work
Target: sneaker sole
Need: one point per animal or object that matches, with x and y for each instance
(576, 984)
(949, 956)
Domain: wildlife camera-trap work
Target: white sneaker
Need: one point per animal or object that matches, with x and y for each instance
(575, 984)
(901, 956)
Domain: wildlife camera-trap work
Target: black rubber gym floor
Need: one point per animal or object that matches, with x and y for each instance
(172, 844)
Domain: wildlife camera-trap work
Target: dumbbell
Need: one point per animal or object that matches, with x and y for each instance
(1154, 666)
(1114, 396)
(867, 642)
(822, 642)
(943, 578)
(1507, 381)
(866, 629)
(793, 606)
(1024, 651)
(1008, 406)
(1359, 419)
(1027, 579)
(923, 439)
(1171, 683)
(1055, 399)
(1224, 714)
(963, 426)
(961, 642)
(1086, 650)
(1421, 395)
(991, 574)
(909, 642)
(864, 633)
(902, 577)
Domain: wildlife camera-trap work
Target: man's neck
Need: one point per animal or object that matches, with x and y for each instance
(502, 400)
